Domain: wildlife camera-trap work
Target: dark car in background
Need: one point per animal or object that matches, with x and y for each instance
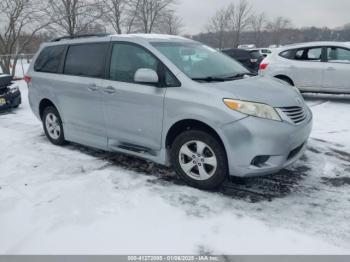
(10, 96)
(251, 59)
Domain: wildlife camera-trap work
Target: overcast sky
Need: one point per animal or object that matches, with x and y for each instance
(331, 13)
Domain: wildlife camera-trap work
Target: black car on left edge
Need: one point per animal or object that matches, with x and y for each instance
(10, 96)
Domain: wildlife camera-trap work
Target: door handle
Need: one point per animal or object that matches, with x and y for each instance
(110, 90)
(331, 68)
(292, 67)
(93, 87)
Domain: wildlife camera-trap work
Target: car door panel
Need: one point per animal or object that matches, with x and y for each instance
(80, 97)
(133, 112)
(82, 111)
(337, 69)
(307, 68)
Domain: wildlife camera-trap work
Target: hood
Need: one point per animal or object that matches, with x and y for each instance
(262, 90)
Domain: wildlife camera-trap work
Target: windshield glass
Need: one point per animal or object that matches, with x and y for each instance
(200, 61)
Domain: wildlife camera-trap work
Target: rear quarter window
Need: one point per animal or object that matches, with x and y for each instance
(287, 54)
(49, 59)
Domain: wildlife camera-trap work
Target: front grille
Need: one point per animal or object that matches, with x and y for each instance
(295, 113)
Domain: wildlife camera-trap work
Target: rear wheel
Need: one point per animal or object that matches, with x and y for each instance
(53, 126)
(199, 159)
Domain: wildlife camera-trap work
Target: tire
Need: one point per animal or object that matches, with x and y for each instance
(53, 127)
(204, 169)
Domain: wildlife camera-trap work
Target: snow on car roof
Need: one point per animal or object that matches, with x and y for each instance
(152, 37)
(320, 43)
(107, 37)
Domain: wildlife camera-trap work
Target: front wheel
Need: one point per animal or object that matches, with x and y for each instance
(53, 126)
(200, 159)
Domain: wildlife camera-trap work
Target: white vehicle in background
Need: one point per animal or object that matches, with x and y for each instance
(322, 67)
(250, 46)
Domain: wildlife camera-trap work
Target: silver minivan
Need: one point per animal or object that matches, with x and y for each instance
(170, 100)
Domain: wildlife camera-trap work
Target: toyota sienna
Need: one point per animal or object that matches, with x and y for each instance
(169, 100)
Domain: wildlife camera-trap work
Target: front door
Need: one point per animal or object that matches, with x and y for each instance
(337, 74)
(133, 111)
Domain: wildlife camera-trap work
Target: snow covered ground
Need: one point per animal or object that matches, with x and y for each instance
(74, 200)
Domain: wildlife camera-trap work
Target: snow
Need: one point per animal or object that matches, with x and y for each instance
(75, 200)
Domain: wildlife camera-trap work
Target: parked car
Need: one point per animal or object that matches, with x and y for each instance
(10, 96)
(264, 51)
(312, 67)
(250, 59)
(170, 100)
(249, 46)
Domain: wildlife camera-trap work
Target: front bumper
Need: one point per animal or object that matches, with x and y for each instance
(276, 144)
(11, 100)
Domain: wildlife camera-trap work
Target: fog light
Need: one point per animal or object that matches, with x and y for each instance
(259, 161)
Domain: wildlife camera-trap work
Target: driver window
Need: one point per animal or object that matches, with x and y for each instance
(338, 55)
(126, 59)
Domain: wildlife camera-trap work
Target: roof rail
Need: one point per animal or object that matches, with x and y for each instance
(78, 36)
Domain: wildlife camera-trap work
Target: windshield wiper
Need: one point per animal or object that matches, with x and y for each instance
(244, 74)
(222, 79)
(210, 79)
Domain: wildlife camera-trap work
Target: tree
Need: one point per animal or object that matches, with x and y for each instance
(277, 27)
(239, 19)
(114, 14)
(20, 21)
(170, 23)
(74, 16)
(148, 13)
(258, 24)
(219, 24)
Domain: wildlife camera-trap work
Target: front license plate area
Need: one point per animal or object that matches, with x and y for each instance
(2, 101)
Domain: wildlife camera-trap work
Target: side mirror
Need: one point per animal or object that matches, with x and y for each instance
(146, 75)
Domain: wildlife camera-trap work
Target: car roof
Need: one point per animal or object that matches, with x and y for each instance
(136, 38)
(142, 38)
(315, 44)
(235, 50)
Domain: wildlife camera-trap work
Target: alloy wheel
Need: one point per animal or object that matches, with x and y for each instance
(197, 160)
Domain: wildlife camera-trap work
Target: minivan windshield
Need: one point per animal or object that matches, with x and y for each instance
(201, 62)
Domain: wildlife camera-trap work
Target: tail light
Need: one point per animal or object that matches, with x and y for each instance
(27, 78)
(263, 66)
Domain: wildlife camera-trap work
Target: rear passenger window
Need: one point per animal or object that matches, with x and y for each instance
(49, 59)
(86, 60)
(309, 54)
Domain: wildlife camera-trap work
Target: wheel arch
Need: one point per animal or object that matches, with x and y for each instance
(188, 124)
(43, 104)
(286, 78)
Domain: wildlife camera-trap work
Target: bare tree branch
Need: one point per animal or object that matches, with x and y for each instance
(219, 24)
(18, 18)
(277, 27)
(258, 24)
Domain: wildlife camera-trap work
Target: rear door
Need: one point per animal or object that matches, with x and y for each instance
(79, 94)
(337, 69)
(307, 67)
(133, 111)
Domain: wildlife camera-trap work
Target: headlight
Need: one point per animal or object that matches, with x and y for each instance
(253, 109)
(14, 89)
